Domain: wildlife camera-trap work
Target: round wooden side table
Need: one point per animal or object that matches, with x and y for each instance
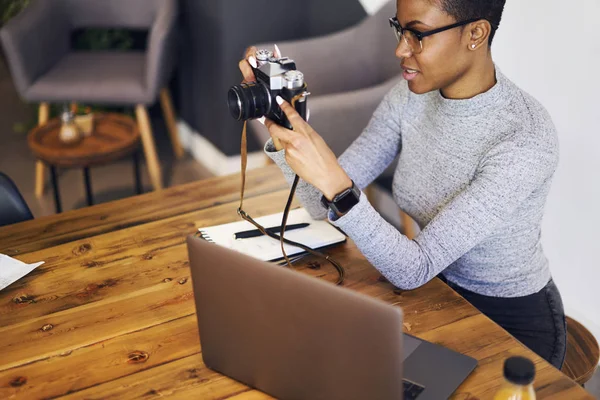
(114, 137)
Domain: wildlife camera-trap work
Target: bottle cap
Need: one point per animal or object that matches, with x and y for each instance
(519, 370)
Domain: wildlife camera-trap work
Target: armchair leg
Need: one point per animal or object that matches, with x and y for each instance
(40, 169)
(149, 149)
(169, 113)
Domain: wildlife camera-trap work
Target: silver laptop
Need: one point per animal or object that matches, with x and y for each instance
(297, 337)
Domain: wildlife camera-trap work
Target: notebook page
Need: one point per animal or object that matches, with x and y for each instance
(318, 234)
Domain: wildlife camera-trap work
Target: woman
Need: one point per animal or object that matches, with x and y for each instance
(477, 155)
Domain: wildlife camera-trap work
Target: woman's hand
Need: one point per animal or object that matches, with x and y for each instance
(307, 153)
(246, 66)
(249, 61)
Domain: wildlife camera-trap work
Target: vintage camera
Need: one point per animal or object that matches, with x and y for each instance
(274, 77)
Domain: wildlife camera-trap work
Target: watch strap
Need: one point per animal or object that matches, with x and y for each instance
(344, 201)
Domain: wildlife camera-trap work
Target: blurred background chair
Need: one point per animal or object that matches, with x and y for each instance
(13, 207)
(46, 70)
(214, 35)
(348, 73)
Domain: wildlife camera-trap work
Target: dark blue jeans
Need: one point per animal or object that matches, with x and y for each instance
(537, 320)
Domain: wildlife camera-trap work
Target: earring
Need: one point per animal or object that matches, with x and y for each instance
(473, 46)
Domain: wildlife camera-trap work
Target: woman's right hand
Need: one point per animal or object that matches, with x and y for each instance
(247, 63)
(245, 66)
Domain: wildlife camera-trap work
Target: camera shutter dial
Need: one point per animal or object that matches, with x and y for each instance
(263, 55)
(293, 79)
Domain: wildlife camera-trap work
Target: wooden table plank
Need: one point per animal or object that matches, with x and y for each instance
(73, 225)
(108, 265)
(114, 358)
(47, 336)
(151, 263)
(471, 341)
(187, 378)
(107, 292)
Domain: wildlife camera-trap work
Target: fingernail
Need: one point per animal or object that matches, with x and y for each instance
(261, 120)
(252, 61)
(277, 51)
(279, 100)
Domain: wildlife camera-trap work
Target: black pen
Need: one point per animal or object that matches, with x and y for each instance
(274, 229)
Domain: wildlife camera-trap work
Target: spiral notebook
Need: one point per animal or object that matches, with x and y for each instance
(317, 235)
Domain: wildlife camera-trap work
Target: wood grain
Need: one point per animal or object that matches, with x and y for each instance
(74, 369)
(110, 265)
(111, 314)
(69, 226)
(187, 378)
(114, 137)
(583, 353)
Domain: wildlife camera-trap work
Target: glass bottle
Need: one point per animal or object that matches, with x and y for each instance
(69, 133)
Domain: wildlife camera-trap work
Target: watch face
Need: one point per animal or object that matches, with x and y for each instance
(345, 202)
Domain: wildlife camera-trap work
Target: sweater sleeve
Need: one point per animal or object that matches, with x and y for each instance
(508, 174)
(366, 158)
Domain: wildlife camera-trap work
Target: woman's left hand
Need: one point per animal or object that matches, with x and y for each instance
(307, 153)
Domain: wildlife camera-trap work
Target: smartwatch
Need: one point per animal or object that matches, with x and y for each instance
(344, 201)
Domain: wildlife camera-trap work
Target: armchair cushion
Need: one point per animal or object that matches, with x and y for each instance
(357, 57)
(135, 14)
(36, 43)
(95, 77)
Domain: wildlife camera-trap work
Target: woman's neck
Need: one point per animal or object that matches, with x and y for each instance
(480, 78)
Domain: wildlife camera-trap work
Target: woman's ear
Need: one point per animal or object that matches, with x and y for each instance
(478, 33)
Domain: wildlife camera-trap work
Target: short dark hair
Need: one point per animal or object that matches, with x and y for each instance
(463, 10)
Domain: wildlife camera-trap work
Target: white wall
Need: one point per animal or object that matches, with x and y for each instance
(561, 68)
(551, 48)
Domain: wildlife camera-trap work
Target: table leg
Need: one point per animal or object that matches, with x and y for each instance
(55, 188)
(88, 186)
(136, 172)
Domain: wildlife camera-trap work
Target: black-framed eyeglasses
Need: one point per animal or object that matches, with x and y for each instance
(414, 38)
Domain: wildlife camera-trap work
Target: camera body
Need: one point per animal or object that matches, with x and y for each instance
(274, 77)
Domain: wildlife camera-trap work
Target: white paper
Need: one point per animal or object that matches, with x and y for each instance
(12, 270)
(318, 234)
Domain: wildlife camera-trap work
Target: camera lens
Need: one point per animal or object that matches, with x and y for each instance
(249, 100)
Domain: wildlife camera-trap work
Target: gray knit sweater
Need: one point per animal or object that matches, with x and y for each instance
(474, 174)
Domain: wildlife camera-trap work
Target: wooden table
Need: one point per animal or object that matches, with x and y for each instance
(114, 136)
(111, 314)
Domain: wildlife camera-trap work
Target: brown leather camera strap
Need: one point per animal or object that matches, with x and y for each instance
(242, 213)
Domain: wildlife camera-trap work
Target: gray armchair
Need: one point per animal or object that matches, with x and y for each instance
(348, 74)
(45, 69)
(13, 207)
(207, 68)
